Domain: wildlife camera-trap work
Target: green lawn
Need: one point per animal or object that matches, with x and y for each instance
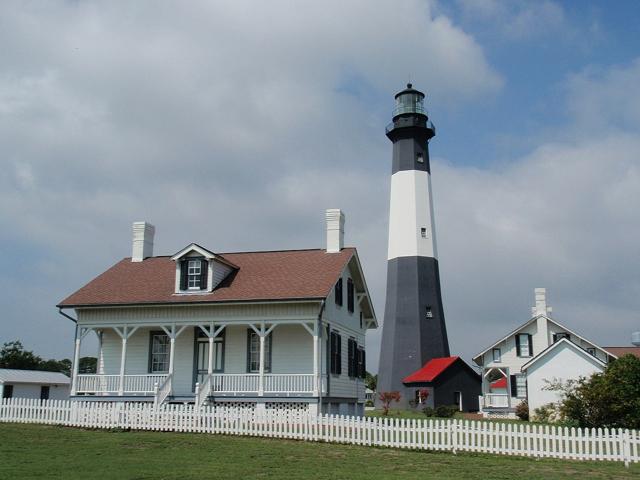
(35, 451)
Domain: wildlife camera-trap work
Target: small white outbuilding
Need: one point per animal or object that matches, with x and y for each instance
(562, 361)
(33, 384)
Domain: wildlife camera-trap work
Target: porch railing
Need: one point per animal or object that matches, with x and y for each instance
(110, 384)
(235, 383)
(500, 400)
(203, 391)
(164, 390)
(288, 383)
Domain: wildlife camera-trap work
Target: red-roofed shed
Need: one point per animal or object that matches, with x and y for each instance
(448, 381)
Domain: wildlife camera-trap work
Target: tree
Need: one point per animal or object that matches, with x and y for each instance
(607, 399)
(13, 355)
(371, 381)
(386, 398)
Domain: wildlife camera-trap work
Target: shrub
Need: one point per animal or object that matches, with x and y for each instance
(446, 411)
(522, 410)
(607, 399)
(429, 411)
(386, 398)
(369, 403)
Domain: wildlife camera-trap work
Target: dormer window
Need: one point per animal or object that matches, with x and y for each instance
(193, 274)
(194, 271)
(199, 270)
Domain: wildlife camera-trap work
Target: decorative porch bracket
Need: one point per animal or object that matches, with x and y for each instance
(81, 332)
(313, 329)
(262, 332)
(125, 332)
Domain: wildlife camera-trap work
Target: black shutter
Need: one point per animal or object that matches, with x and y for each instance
(338, 292)
(350, 299)
(363, 373)
(204, 274)
(184, 270)
(530, 340)
(350, 356)
(518, 352)
(514, 386)
(339, 355)
(332, 354)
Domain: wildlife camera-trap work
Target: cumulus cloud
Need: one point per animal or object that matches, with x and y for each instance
(234, 124)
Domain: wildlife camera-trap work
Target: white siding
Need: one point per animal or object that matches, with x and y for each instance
(561, 363)
(30, 390)
(348, 325)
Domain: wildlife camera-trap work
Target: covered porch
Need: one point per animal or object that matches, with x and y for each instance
(199, 361)
(496, 388)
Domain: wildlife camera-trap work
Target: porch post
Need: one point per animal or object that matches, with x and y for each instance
(261, 371)
(99, 358)
(172, 351)
(76, 361)
(210, 365)
(316, 362)
(123, 359)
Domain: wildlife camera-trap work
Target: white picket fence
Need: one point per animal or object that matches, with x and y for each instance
(540, 441)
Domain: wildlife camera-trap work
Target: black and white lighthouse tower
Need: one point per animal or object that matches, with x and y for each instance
(414, 330)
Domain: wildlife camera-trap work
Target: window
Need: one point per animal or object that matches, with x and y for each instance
(592, 351)
(560, 336)
(420, 157)
(457, 400)
(44, 392)
(524, 346)
(193, 274)
(350, 296)
(202, 352)
(352, 355)
(362, 363)
(7, 392)
(159, 353)
(423, 232)
(497, 355)
(429, 313)
(360, 319)
(520, 386)
(335, 353)
(338, 292)
(253, 352)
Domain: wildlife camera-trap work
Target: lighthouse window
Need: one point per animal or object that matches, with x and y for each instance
(423, 232)
(420, 158)
(429, 312)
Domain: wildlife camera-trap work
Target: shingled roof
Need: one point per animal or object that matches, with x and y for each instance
(278, 275)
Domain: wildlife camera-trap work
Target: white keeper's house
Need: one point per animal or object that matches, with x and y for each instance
(518, 366)
(275, 329)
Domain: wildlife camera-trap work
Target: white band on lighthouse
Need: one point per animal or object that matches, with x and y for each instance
(411, 225)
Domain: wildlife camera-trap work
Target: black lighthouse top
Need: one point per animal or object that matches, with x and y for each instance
(409, 113)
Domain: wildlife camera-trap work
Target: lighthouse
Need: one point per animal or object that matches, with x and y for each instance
(414, 330)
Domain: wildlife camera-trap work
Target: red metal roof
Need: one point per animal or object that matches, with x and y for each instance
(281, 275)
(501, 383)
(430, 371)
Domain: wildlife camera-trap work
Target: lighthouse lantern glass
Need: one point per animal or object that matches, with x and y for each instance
(409, 103)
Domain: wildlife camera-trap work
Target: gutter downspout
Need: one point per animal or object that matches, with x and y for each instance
(319, 360)
(71, 373)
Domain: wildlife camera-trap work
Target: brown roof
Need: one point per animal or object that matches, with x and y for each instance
(619, 351)
(293, 274)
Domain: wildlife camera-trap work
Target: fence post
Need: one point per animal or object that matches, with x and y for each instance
(453, 436)
(626, 448)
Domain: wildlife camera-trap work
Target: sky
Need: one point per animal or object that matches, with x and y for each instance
(236, 124)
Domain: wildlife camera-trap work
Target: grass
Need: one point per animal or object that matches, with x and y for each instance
(37, 451)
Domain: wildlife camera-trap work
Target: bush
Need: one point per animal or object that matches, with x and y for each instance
(429, 411)
(446, 411)
(522, 411)
(369, 403)
(386, 398)
(607, 399)
(549, 413)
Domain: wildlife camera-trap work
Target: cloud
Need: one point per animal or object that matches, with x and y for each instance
(234, 124)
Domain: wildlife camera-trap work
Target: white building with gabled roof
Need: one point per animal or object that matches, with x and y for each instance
(16, 383)
(539, 351)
